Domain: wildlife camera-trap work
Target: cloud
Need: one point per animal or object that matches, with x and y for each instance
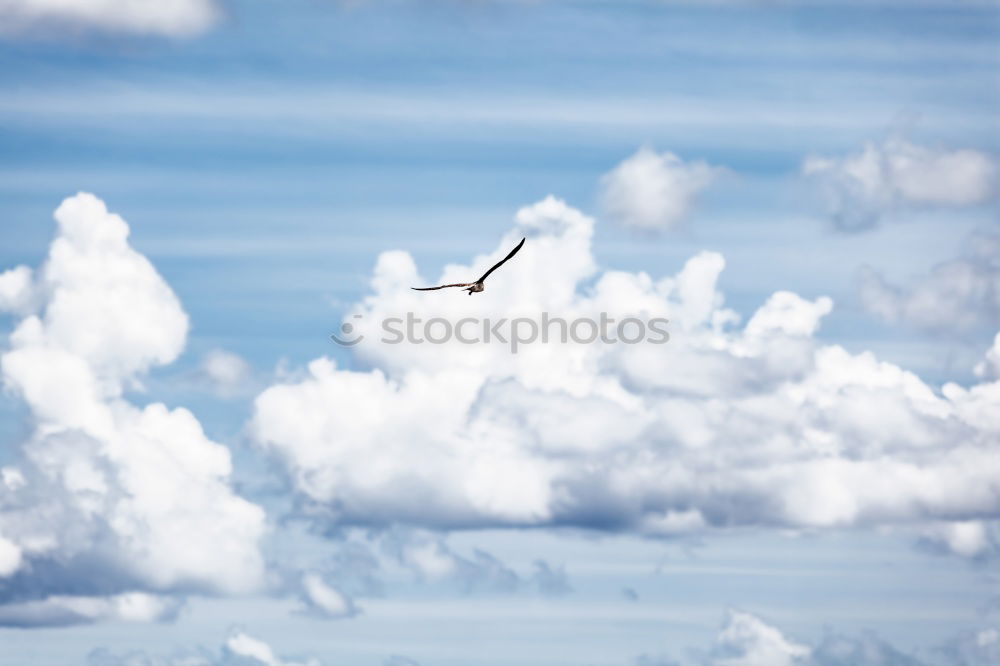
(552, 581)
(654, 191)
(969, 538)
(746, 640)
(169, 18)
(16, 290)
(107, 499)
(321, 599)
(362, 560)
(743, 640)
(10, 557)
(989, 367)
(974, 648)
(225, 373)
(244, 649)
(955, 297)
(240, 649)
(429, 557)
(67, 610)
(862, 187)
(726, 425)
(354, 568)
(865, 650)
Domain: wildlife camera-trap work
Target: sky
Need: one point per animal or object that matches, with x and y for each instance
(195, 195)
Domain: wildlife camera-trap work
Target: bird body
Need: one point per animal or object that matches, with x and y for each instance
(477, 286)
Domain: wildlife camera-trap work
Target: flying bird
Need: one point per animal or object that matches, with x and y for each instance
(477, 286)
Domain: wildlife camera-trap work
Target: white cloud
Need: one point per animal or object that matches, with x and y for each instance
(15, 289)
(240, 649)
(65, 610)
(989, 367)
(651, 190)
(171, 18)
(969, 538)
(864, 186)
(428, 556)
(10, 557)
(954, 297)
(139, 495)
(225, 373)
(725, 425)
(746, 640)
(102, 302)
(324, 600)
(256, 651)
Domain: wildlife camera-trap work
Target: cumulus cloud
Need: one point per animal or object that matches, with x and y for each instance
(170, 18)
(726, 425)
(126, 499)
(16, 289)
(746, 640)
(989, 367)
(955, 297)
(881, 177)
(654, 191)
(240, 649)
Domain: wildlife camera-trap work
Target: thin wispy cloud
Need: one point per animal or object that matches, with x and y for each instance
(170, 18)
(952, 299)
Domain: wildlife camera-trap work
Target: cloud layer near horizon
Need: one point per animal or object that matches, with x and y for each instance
(729, 424)
(743, 639)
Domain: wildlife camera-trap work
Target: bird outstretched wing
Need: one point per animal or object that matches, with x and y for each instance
(502, 261)
(444, 286)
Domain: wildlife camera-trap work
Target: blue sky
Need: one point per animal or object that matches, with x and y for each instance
(264, 159)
